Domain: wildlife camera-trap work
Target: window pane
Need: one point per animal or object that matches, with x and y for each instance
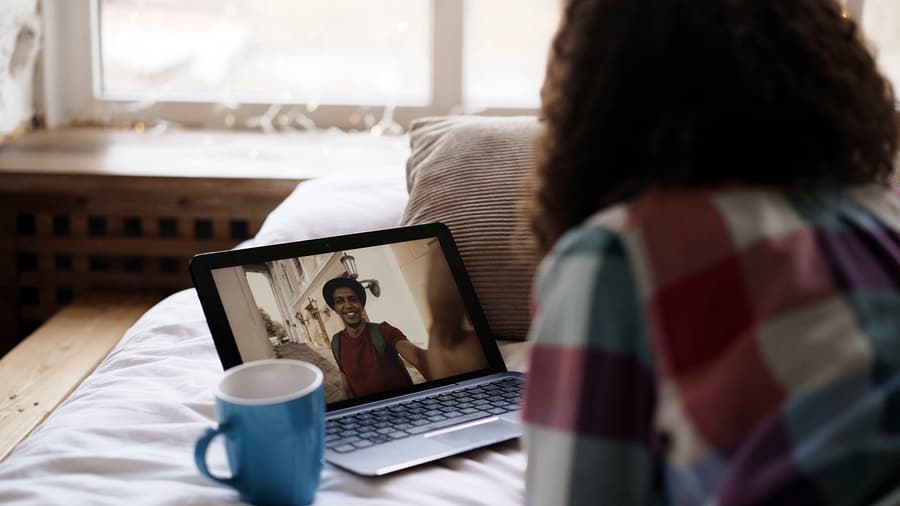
(313, 51)
(881, 22)
(506, 43)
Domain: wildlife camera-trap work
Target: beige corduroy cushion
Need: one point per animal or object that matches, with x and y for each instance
(472, 173)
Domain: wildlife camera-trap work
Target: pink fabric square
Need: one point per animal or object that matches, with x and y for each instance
(701, 315)
(683, 233)
(785, 273)
(731, 394)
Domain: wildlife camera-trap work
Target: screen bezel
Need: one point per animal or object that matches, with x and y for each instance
(202, 265)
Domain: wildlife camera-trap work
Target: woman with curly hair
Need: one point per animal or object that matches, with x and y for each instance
(717, 319)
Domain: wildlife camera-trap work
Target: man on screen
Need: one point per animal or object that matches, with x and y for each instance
(367, 354)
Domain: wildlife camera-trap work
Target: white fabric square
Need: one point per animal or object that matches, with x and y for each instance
(754, 214)
(878, 201)
(814, 345)
(687, 445)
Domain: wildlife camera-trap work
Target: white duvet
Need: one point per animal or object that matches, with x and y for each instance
(126, 435)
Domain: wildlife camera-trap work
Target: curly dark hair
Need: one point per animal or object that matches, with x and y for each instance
(642, 93)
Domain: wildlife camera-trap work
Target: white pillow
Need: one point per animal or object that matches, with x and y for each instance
(335, 205)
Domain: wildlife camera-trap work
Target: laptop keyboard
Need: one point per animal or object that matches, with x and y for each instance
(425, 414)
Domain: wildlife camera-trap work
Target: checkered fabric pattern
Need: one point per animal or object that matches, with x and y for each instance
(719, 346)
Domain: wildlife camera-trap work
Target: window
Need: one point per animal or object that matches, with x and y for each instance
(504, 62)
(339, 63)
(881, 23)
(305, 51)
(344, 63)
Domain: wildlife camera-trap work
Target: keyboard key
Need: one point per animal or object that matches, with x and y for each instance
(344, 441)
(344, 448)
(421, 415)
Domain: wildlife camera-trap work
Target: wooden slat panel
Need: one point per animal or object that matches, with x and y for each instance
(43, 224)
(9, 296)
(151, 278)
(111, 194)
(126, 245)
(196, 190)
(185, 200)
(38, 313)
(78, 223)
(44, 369)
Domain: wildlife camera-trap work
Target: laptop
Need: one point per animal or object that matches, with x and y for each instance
(412, 372)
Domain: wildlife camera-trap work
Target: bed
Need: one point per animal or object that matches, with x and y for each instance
(126, 434)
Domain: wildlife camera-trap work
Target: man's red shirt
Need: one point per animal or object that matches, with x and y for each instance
(366, 370)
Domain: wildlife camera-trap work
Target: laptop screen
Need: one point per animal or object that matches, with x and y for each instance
(374, 319)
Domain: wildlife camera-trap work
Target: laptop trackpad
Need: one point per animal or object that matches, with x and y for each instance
(485, 431)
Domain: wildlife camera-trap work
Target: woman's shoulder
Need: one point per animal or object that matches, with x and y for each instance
(742, 215)
(670, 234)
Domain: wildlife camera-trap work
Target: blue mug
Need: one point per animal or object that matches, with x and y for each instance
(272, 415)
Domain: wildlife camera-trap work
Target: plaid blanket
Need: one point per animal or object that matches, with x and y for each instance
(719, 346)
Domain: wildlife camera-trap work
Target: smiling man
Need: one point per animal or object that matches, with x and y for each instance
(367, 354)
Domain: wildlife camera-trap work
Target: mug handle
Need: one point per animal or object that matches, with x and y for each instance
(200, 450)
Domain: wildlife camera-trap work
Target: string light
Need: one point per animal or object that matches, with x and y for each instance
(266, 121)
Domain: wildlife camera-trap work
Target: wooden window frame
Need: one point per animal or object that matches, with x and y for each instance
(70, 93)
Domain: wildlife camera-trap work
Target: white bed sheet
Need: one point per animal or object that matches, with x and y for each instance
(126, 435)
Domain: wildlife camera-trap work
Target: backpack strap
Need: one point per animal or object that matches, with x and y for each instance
(376, 338)
(392, 356)
(336, 349)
